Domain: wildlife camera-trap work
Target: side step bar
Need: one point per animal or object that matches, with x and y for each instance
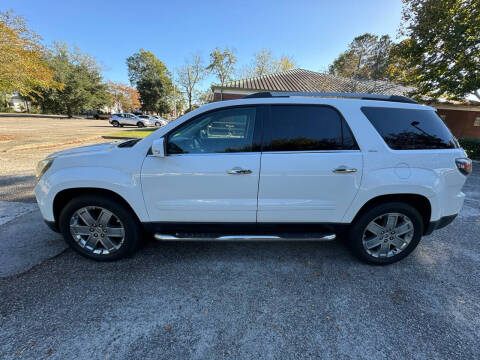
(283, 237)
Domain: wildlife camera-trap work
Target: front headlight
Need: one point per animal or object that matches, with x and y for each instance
(43, 166)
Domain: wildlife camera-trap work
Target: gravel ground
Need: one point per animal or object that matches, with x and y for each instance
(252, 300)
(286, 300)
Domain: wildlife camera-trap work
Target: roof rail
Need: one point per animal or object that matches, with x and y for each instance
(363, 96)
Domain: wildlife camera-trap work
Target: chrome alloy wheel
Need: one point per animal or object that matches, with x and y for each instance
(97, 230)
(388, 235)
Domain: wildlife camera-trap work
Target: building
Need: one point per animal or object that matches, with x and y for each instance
(463, 119)
(303, 80)
(18, 103)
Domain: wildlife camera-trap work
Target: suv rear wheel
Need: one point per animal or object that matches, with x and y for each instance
(100, 228)
(386, 233)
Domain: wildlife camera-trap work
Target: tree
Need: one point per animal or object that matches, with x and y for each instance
(153, 95)
(285, 63)
(204, 97)
(152, 80)
(443, 47)
(265, 63)
(82, 83)
(23, 68)
(124, 96)
(367, 57)
(222, 64)
(176, 100)
(189, 75)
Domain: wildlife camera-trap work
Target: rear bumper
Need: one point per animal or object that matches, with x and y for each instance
(440, 223)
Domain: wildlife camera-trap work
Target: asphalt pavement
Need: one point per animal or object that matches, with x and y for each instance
(286, 300)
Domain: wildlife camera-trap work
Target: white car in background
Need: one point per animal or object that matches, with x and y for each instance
(122, 119)
(159, 121)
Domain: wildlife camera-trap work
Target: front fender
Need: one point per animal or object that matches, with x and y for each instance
(124, 184)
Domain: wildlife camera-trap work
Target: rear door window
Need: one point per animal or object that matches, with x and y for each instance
(306, 128)
(410, 129)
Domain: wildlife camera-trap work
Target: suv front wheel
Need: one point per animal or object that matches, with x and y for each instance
(100, 227)
(386, 233)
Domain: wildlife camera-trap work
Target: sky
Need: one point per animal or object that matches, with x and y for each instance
(312, 32)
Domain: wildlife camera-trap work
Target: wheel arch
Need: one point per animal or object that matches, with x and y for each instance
(63, 197)
(420, 202)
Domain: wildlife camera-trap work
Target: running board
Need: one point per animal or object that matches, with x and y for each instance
(211, 237)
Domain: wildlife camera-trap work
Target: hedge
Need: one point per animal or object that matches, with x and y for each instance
(472, 147)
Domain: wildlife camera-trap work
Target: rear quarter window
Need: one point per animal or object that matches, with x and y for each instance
(410, 129)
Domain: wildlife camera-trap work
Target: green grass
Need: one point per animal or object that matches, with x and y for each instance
(129, 134)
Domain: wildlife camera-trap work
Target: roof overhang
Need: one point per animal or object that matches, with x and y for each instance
(460, 107)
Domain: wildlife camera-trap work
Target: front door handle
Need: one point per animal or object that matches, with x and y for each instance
(344, 170)
(238, 171)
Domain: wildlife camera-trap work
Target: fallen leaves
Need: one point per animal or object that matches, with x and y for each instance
(168, 327)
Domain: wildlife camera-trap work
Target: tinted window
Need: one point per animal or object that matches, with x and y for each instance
(221, 131)
(307, 128)
(408, 129)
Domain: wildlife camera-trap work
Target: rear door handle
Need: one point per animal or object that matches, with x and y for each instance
(344, 170)
(238, 171)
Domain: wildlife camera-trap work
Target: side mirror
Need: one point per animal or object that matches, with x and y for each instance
(158, 147)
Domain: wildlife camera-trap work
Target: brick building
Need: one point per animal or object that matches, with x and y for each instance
(462, 119)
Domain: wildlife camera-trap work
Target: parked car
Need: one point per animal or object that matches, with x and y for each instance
(159, 121)
(148, 118)
(381, 171)
(122, 119)
(100, 115)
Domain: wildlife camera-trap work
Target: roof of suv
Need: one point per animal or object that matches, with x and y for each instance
(333, 99)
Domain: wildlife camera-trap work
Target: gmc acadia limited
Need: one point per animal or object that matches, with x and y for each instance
(381, 171)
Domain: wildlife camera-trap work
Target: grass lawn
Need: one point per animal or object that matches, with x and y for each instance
(129, 134)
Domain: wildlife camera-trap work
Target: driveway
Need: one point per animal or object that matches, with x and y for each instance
(291, 300)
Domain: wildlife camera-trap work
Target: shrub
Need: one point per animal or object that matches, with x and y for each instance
(472, 147)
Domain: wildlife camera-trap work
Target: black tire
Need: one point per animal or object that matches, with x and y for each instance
(157, 124)
(140, 124)
(115, 123)
(132, 228)
(356, 232)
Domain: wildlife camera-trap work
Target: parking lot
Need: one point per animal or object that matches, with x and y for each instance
(285, 300)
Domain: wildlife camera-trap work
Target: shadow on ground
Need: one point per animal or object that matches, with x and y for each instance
(17, 188)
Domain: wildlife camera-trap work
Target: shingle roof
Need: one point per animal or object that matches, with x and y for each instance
(306, 80)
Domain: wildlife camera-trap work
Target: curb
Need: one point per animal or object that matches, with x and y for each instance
(118, 137)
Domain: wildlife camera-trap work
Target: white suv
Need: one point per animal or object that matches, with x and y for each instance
(122, 119)
(382, 171)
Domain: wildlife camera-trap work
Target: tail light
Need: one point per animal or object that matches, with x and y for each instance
(464, 165)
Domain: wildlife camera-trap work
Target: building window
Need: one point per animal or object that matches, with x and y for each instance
(477, 121)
